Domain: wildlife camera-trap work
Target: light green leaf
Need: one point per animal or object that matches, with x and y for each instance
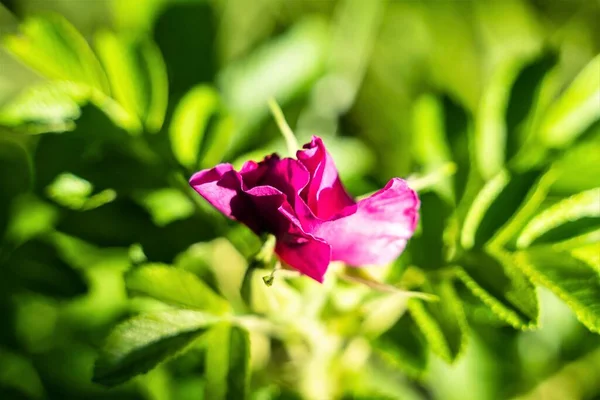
(571, 177)
(51, 104)
(217, 141)
(228, 363)
(501, 287)
(430, 146)
(565, 219)
(280, 69)
(166, 205)
(139, 344)
(54, 48)
(571, 279)
(575, 110)
(403, 346)
(74, 192)
(494, 205)
(190, 121)
(138, 76)
(490, 125)
(442, 322)
(174, 285)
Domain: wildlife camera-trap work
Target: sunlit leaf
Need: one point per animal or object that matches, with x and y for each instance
(227, 363)
(501, 287)
(567, 218)
(139, 344)
(166, 205)
(442, 322)
(51, 105)
(52, 46)
(575, 110)
(137, 75)
(573, 280)
(190, 121)
(74, 192)
(571, 178)
(175, 285)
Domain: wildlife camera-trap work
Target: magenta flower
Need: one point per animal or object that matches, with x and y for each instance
(304, 204)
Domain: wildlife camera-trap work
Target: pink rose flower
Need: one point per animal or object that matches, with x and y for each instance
(304, 204)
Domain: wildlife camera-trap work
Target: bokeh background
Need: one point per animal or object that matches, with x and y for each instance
(107, 107)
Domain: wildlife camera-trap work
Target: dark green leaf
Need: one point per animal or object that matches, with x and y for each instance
(501, 287)
(574, 281)
(522, 105)
(15, 176)
(175, 285)
(228, 363)
(428, 248)
(37, 266)
(139, 344)
(403, 346)
(442, 322)
(494, 205)
(570, 217)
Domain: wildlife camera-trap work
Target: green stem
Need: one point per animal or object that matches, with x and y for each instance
(286, 131)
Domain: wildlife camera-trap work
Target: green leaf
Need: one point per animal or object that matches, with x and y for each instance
(228, 363)
(19, 374)
(166, 205)
(490, 125)
(575, 110)
(404, 347)
(53, 47)
(442, 322)
(280, 69)
(574, 281)
(175, 285)
(190, 121)
(139, 344)
(37, 266)
(76, 193)
(15, 176)
(569, 217)
(50, 104)
(430, 146)
(138, 76)
(494, 205)
(428, 249)
(571, 176)
(501, 287)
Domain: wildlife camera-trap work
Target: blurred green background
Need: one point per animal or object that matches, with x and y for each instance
(490, 108)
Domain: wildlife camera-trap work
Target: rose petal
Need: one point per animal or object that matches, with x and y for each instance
(379, 229)
(296, 247)
(218, 185)
(325, 194)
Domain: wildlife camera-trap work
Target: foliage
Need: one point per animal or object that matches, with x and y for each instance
(114, 274)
